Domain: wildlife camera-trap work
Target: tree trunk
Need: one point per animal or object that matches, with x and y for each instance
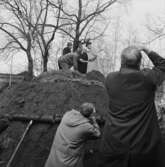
(76, 39)
(77, 32)
(30, 67)
(45, 61)
(75, 44)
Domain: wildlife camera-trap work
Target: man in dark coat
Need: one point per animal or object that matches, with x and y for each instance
(131, 135)
(67, 49)
(83, 59)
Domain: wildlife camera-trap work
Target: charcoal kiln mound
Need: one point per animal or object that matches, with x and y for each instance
(50, 94)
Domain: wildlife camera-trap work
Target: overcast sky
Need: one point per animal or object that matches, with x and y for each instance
(133, 14)
(136, 12)
(138, 9)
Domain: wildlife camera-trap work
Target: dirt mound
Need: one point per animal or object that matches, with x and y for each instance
(96, 75)
(50, 94)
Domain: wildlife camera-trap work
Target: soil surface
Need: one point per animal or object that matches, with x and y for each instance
(50, 94)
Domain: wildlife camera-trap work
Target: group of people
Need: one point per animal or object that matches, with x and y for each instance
(131, 135)
(77, 60)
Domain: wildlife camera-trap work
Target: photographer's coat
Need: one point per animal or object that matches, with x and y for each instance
(68, 145)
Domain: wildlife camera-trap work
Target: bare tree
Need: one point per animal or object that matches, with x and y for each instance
(156, 27)
(83, 18)
(26, 29)
(20, 33)
(46, 32)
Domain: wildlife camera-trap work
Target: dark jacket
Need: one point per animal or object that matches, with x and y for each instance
(66, 50)
(132, 126)
(82, 66)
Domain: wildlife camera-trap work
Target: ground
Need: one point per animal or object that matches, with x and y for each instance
(50, 94)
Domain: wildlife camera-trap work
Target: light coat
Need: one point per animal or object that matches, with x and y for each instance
(68, 145)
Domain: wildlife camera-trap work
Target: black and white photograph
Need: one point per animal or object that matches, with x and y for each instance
(82, 83)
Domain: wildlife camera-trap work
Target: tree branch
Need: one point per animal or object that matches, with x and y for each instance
(11, 35)
(99, 9)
